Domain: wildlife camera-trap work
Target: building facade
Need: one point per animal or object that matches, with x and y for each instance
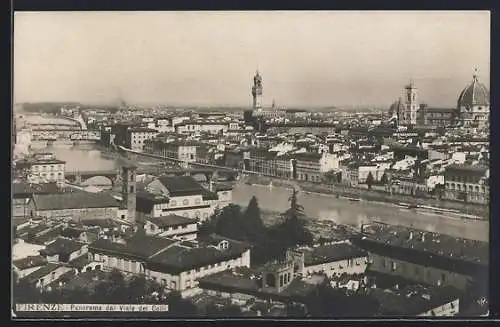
(185, 151)
(42, 168)
(467, 183)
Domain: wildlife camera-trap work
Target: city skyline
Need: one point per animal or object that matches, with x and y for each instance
(193, 58)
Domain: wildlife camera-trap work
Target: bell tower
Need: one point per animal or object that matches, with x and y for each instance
(129, 190)
(410, 105)
(257, 91)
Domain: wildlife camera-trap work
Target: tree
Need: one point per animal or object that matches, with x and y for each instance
(292, 231)
(369, 180)
(295, 310)
(229, 223)
(384, 179)
(23, 291)
(179, 306)
(252, 221)
(137, 289)
(330, 177)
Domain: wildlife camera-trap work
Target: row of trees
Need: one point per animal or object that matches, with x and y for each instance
(268, 242)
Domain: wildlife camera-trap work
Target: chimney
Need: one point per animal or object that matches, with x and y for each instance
(411, 236)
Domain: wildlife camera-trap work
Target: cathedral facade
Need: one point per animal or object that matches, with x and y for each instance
(472, 110)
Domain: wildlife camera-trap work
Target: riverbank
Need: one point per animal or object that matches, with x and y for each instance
(320, 229)
(373, 196)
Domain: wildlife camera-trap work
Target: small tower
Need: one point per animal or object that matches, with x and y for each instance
(409, 116)
(276, 276)
(257, 91)
(129, 190)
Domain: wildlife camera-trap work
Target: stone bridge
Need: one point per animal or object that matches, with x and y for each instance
(114, 176)
(66, 134)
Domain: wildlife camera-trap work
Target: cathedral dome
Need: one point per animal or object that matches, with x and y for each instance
(475, 94)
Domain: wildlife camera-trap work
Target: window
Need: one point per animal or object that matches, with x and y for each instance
(173, 203)
(152, 228)
(53, 275)
(131, 188)
(41, 281)
(185, 202)
(163, 282)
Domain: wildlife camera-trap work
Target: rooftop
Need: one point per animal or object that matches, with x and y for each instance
(74, 200)
(138, 246)
(171, 220)
(142, 130)
(247, 281)
(72, 232)
(22, 189)
(62, 246)
(29, 262)
(42, 272)
(468, 168)
(181, 185)
(414, 299)
(332, 253)
(438, 244)
(178, 258)
(80, 261)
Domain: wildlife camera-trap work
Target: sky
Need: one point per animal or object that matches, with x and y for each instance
(209, 58)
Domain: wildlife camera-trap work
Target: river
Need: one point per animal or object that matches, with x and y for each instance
(343, 211)
(318, 206)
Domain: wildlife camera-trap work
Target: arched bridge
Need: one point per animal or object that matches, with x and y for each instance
(78, 120)
(114, 176)
(66, 134)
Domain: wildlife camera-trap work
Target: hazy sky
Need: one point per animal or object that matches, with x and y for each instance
(209, 58)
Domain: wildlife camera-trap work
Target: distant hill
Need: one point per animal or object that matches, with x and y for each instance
(46, 107)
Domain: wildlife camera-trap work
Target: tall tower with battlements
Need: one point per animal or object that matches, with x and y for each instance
(257, 91)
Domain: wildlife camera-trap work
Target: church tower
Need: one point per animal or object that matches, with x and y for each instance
(257, 92)
(409, 116)
(129, 191)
